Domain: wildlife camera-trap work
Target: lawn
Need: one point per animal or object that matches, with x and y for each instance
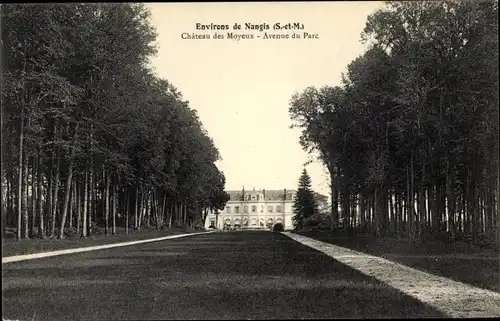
(10, 246)
(458, 261)
(249, 275)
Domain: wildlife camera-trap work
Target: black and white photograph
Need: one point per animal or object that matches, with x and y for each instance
(250, 160)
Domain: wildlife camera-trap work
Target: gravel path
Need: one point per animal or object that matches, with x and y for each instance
(455, 299)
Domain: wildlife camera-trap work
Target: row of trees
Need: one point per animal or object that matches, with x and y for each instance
(90, 134)
(410, 137)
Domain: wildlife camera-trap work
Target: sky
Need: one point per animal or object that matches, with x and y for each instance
(241, 89)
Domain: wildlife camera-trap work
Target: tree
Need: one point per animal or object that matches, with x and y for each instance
(322, 202)
(304, 205)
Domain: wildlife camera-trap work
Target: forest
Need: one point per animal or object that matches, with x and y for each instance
(410, 136)
(91, 137)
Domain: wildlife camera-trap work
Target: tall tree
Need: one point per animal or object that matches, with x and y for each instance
(304, 204)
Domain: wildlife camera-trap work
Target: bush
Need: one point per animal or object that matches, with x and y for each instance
(10, 233)
(319, 221)
(278, 227)
(70, 232)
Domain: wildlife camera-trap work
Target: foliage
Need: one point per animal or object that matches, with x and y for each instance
(324, 206)
(320, 220)
(278, 227)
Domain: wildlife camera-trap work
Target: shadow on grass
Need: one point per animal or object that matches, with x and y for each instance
(153, 301)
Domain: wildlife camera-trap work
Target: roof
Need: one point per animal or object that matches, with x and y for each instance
(268, 195)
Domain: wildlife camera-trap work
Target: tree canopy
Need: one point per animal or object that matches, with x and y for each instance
(410, 136)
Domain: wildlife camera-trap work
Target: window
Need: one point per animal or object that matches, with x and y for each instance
(212, 223)
(228, 209)
(254, 208)
(245, 209)
(289, 196)
(237, 209)
(270, 209)
(258, 197)
(248, 198)
(278, 208)
(253, 198)
(262, 208)
(254, 222)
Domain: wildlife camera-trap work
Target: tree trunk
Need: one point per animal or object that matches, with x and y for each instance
(33, 198)
(85, 204)
(170, 214)
(72, 202)
(392, 214)
(39, 195)
(68, 185)
(163, 209)
(9, 203)
(55, 193)
(25, 197)
(90, 214)
(78, 207)
(451, 202)
(185, 213)
(127, 210)
(49, 200)
(20, 176)
(362, 208)
(115, 204)
(421, 212)
(147, 209)
(21, 150)
(156, 212)
(91, 209)
(334, 192)
(106, 203)
(141, 207)
(410, 202)
(376, 214)
(136, 207)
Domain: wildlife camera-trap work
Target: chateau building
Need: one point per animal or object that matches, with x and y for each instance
(255, 210)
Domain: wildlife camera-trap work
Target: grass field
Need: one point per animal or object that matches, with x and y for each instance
(244, 275)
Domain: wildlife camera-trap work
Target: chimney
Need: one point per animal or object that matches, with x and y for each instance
(284, 194)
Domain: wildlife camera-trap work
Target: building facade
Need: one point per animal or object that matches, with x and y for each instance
(255, 210)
